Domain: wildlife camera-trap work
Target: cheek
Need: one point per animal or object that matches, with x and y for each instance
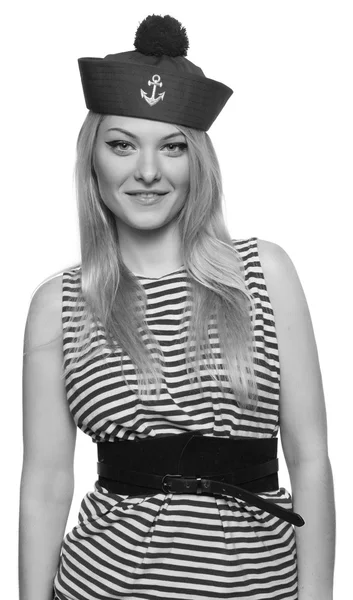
(102, 172)
(181, 175)
(109, 175)
(104, 169)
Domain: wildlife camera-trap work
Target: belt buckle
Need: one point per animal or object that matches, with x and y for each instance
(199, 489)
(166, 491)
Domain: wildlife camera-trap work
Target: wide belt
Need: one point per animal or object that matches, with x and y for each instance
(193, 463)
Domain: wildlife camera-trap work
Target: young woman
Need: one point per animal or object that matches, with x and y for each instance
(179, 351)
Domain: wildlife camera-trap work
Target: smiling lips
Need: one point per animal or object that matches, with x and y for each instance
(147, 197)
(145, 193)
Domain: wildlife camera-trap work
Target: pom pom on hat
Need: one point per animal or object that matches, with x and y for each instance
(157, 36)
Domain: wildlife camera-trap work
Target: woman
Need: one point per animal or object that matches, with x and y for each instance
(183, 350)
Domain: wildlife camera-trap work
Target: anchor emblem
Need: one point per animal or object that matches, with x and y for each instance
(156, 81)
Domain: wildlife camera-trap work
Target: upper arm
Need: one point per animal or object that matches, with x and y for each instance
(303, 425)
(49, 433)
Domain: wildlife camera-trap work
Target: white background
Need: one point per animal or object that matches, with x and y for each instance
(284, 141)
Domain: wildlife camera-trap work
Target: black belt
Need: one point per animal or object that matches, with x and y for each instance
(192, 463)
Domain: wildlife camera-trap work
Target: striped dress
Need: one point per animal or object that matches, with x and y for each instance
(167, 545)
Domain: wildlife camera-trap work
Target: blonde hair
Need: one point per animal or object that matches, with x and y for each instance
(111, 297)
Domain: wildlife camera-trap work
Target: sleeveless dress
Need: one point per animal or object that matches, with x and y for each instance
(176, 546)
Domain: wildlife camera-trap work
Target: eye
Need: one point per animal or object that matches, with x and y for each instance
(180, 147)
(123, 146)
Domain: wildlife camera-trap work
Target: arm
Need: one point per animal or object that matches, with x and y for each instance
(49, 436)
(303, 425)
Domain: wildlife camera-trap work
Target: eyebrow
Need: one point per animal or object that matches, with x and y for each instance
(135, 137)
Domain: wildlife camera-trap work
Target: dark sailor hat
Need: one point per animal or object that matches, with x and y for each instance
(154, 81)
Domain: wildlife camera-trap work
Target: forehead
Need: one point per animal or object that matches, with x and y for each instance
(138, 127)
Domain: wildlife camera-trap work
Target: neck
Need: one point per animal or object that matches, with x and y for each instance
(151, 253)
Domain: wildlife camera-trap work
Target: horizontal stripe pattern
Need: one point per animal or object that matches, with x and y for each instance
(175, 546)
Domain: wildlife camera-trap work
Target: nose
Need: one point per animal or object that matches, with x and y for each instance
(147, 167)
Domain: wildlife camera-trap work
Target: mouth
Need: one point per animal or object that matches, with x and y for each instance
(147, 198)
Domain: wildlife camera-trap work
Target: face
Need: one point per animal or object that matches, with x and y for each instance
(142, 167)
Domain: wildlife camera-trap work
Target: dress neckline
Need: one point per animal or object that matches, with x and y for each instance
(182, 268)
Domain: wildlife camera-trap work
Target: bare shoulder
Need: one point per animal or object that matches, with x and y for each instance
(285, 290)
(281, 276)
(272, 255)
(44, 320)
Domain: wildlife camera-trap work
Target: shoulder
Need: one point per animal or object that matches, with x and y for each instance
(272, 255)
(284, 288)
(267, 262)
(44, 321)
(281, 277)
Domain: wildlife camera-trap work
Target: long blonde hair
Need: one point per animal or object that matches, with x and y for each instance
(112, 299)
